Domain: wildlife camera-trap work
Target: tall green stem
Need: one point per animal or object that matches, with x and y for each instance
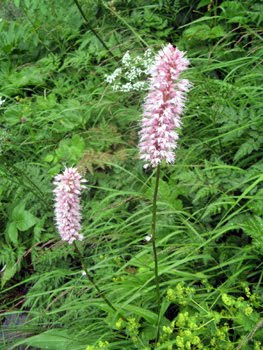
(102, 295)
(153, 231)
(91, 29)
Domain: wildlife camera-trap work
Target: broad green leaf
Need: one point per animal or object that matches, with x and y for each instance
(26, 222)
(23, 218)
(54, 339)
(18, 211)
(217, 32)
(12, 232)
(149, 332)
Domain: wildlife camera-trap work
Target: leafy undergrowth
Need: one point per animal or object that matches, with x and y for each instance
(59, 111)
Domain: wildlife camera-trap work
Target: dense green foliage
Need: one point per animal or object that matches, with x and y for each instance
(59, 111)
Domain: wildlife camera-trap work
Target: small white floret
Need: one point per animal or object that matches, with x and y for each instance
(2, 100)
(148, 238)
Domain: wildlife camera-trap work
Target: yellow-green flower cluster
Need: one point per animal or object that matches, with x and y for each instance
(184, 320)
(186, 339)
(102, 345)
(119, 324)
(258, 345)
(187, 336)
(180, 294)
(222, 332)
(166, 332)
(227, 300)
(132, 328)
(239, 304)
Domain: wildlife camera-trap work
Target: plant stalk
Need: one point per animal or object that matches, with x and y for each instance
(153, 232)
(91, 29)
(102, 295)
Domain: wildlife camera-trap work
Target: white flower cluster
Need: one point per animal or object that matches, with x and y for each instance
(132, 74)
(2, 100)
(110, 78)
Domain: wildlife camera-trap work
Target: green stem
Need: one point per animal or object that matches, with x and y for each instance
(94, 284)
(91, 29)
(153, 232)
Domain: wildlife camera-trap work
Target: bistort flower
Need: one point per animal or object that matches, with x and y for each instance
(67, 192)
(163, 107)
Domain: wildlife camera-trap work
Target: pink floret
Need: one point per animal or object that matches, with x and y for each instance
(163, 107)
(67, 192)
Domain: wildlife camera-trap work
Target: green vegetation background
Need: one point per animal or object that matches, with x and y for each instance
(58, 112)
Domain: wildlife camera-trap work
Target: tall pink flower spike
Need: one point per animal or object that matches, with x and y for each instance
(67, 192)
(163, 107)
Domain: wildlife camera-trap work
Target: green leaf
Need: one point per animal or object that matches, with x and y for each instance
(38, 229)
(149, 316)
(28, 221)
(238, 19)
(203, 3)
(49, 158)
(17, 3)
(8, 273)
(253, 227)
(231, 9)
(197, 32)
(217, 32)
(149, 332)
(12, 232)
(23, 219)
(203, 32)
(27, 3)
(71, 149)
(246, 148)
(54, 170)
(54, 339)
(255, 205)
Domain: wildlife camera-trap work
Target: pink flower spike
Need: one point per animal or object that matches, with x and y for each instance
(163, 107)
(67, 192)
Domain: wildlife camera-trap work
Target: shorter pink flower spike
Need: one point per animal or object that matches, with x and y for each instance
(163, 107)
(67, 192)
